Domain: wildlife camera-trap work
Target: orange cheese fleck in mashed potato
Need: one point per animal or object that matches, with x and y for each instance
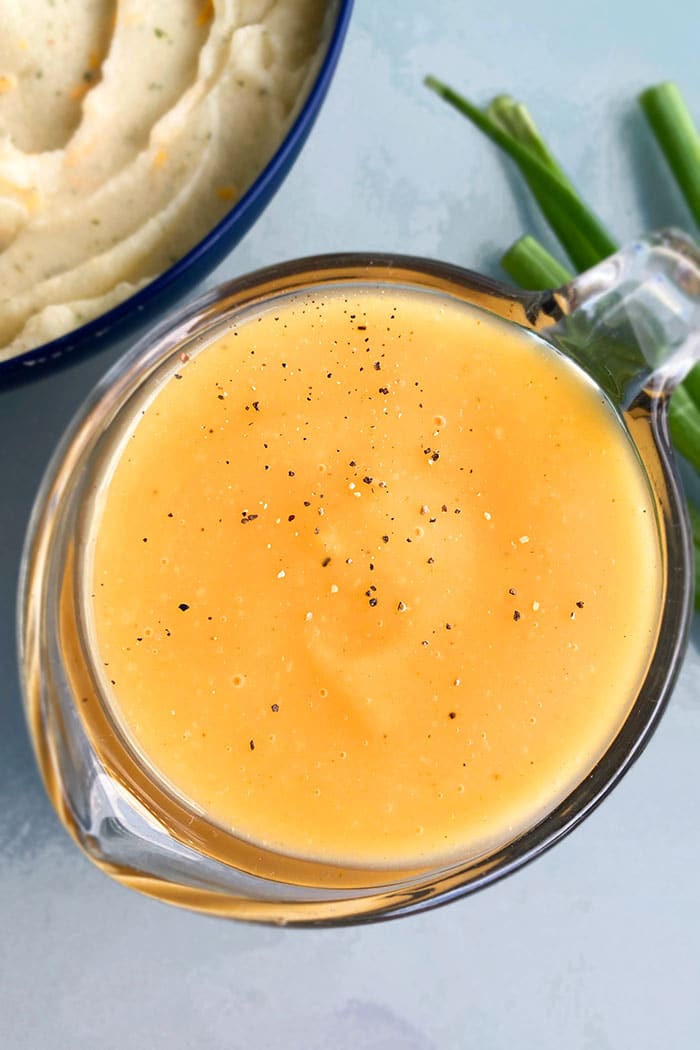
(127, 130)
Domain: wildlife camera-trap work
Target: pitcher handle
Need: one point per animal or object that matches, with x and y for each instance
(633, 321)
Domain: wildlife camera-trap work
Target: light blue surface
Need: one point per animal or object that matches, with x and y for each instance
(597, 945)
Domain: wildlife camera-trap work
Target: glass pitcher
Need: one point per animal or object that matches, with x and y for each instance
(632, 324)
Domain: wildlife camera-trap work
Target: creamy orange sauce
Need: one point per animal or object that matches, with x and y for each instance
(375, 579)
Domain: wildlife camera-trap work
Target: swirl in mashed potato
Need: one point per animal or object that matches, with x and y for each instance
(127, 130)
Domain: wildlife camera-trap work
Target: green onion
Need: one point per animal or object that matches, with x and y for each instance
(678, 138)
(695, 525)
(684, 424)
(531, 266)
(692, 385)
(587, 239)
(515, 119)
(679, 141)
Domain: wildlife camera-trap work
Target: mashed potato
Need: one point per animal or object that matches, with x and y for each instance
(127, 130)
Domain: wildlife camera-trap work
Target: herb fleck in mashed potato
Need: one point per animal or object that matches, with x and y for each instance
(127, 130)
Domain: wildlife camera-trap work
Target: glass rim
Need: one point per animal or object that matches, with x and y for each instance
(420, 888)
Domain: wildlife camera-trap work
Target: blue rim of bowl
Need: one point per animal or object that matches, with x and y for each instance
(88, 338)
